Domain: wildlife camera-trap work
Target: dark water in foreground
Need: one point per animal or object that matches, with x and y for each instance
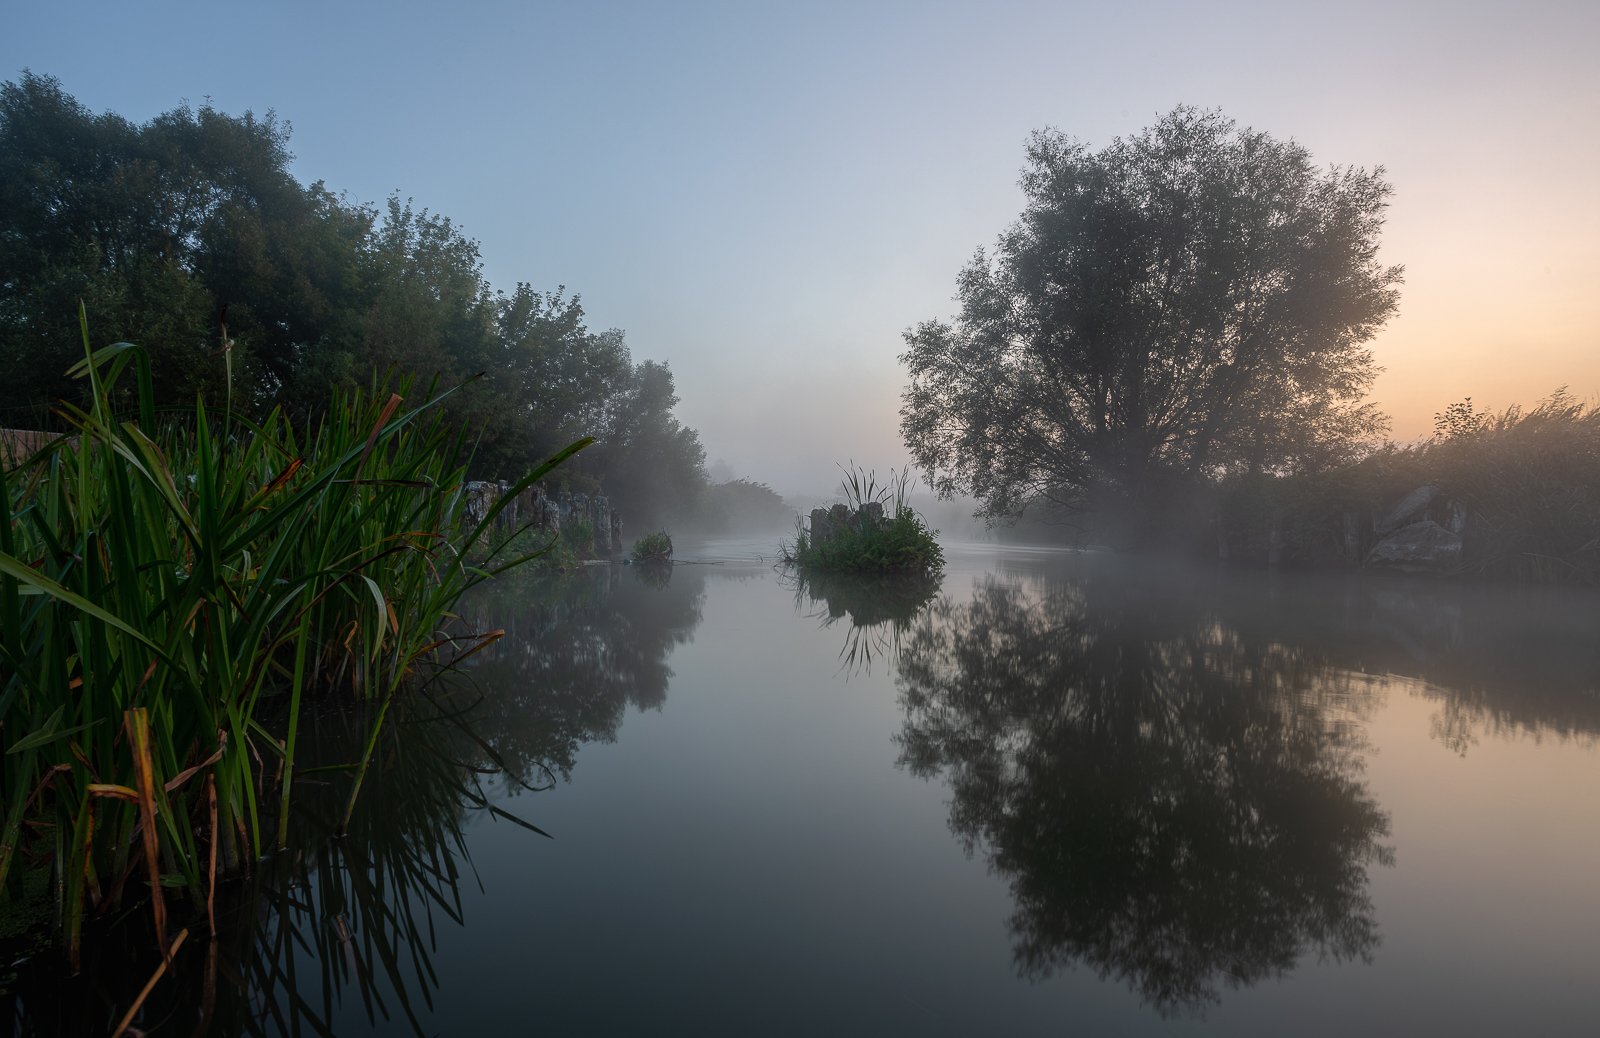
(1058, 794)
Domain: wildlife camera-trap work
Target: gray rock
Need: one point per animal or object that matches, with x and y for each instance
(1420, 546)
(870, 514)
(481, 497)
(1408, 509)
(821, 528)
(601, 525)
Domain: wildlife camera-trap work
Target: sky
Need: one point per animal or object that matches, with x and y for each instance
(766, 196)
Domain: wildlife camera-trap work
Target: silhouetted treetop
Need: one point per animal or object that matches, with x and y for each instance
(1183, 303)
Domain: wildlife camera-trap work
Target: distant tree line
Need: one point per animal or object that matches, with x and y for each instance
(169, 230)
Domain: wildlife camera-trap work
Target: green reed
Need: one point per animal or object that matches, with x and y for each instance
(169, 583)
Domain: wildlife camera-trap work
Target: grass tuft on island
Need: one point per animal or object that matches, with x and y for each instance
(874, 530)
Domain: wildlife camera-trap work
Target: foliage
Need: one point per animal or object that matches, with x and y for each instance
(165, 229)
(1527, 482)
(162, 582)
(1530, 483)
(653, 547)
(366, 906)
(740, 505)
(653, 466)
(1190, 302)
(901, 542)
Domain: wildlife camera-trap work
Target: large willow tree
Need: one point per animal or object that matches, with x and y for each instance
(1189, 302)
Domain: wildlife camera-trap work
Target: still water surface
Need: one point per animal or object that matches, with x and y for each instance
(1057, 794)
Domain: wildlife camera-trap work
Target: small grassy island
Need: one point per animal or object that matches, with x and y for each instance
(872, 531)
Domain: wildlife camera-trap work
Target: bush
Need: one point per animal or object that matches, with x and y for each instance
(903, 544)
(1527, 480)
(859, 539)
(653, 547)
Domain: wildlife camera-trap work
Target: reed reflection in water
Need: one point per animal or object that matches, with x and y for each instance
(340, 933)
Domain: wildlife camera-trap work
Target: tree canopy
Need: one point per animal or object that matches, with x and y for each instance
(1182, 304)
(166, 230)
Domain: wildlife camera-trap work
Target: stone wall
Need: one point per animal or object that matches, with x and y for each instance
(828, 523)
(550, 515)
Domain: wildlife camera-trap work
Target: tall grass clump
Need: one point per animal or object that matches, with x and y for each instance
(1523, 486)
(873, 530)
(173, 590)
(1530, 483)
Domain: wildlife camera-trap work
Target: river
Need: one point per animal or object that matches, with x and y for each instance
(1054, 793)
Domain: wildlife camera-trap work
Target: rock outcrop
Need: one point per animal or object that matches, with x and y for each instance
(1419, 547)
(826, 524)
(1407, 510)
(593, 517)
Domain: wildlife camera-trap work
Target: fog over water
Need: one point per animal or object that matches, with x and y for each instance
(1053, 790)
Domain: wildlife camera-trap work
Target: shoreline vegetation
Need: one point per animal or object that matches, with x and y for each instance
(1509, 496)
(1518, 493)
(1169, 351)
(176, 589)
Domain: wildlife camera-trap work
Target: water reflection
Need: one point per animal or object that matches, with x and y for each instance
(1172, 804)
(576, 657)
(339, 933)
(339, 928)
(876, 611)
(1498, 661)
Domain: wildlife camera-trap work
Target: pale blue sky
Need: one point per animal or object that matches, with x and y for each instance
(768, 195)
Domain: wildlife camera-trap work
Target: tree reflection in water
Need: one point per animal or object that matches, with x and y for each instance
(572, 662)
(339, 932)
(1173, 805)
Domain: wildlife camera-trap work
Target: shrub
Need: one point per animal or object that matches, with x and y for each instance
(653, 547)
(1527, 480)
(859, 541)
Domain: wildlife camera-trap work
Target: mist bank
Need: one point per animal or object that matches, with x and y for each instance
(1512, 495)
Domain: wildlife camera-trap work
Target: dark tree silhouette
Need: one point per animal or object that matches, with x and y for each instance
(166, 230)
(1190, 301)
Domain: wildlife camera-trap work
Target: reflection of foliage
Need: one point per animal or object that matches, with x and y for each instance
(1499, 660)
(880, 608)
(576, 655)
(339, 915)
(342, 926)
(653, 574)
(1174, 806)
